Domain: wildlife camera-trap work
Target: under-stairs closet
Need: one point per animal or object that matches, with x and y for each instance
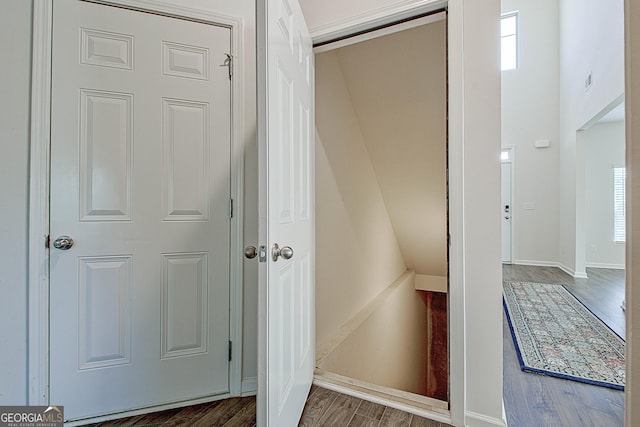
(381, 212)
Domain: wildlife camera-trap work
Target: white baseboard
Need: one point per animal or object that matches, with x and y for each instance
(605, 265)
(571, 272)
(473, 419)
(535, 263)
(504, 414)
(249, 387)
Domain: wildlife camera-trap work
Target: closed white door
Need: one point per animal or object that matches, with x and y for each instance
(140, 180)
(287, 350)
(507, 209)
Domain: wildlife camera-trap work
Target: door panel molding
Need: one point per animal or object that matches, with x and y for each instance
(39, 185)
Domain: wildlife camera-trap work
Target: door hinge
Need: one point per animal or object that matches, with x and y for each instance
(230, 350)
(47, 241)
(230, 208)
(228, 62)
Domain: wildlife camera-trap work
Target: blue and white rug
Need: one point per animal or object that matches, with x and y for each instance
(555, 334)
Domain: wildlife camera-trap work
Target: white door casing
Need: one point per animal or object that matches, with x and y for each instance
(140, 179)
(286, 139)
(506, 210)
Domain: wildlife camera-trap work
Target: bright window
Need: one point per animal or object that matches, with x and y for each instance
(509, 41)
(619, 175)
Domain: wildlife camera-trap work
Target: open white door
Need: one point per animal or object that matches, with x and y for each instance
(286, 282)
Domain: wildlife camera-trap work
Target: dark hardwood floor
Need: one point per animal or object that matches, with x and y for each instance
(533, 400)
(323, 408)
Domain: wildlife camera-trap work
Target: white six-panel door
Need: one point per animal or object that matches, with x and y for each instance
(140, 180)
(287, 351)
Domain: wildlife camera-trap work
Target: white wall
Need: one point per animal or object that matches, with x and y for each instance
(15, 43)
(604, 149)
(591, 41)
(15, 46)
(530, 97)
(481, 225)
(357, 252)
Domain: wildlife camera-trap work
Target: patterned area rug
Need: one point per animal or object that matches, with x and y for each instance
(554, 334)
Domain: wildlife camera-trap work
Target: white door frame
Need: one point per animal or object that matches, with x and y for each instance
(387, 16)
(39, 175)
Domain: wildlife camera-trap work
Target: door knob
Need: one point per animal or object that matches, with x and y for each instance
(250, 252)
(63, 243)
(285, 252)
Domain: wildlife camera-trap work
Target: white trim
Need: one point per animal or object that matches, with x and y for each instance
(480, 420)
(236, 278)
(262, 115)
(571, 272)
(504, 414)
(38, 340)
(171, 9)
(249, 387)
(374, 18)
(429, 19)
(605, 265)
(457, 315)
(536, 263)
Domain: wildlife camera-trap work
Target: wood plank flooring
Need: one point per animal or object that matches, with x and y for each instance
(234, 412)
(539, 401)
(330, 408)
(323, 408)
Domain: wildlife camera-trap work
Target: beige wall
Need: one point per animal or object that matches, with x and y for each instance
(357, 255)
(382, 135)
(397, 85)
(390, 347)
